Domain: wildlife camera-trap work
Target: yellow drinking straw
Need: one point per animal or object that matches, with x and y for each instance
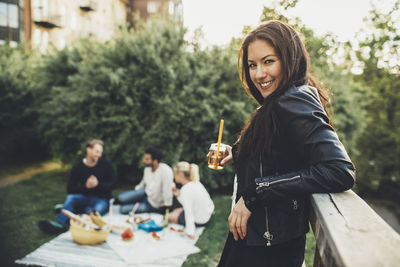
(221, 127)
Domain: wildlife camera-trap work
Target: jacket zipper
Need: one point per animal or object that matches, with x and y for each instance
(266, 184)
(267, 235)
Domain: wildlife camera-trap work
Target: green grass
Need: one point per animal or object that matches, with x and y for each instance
(24, 203)
(17, 168)
(310, 248)
(21, 206)
(212, 241)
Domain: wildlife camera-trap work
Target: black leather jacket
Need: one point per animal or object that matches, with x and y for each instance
(306, 157)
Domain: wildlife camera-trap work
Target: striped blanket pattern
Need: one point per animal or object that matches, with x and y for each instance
(170, 251)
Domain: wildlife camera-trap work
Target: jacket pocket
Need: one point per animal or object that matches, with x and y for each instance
(289, 219)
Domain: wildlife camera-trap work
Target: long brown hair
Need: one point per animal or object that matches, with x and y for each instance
(295, 61)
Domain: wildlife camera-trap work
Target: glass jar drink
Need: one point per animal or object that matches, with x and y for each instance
(214, 162)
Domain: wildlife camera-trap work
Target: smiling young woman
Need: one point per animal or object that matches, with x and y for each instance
(287, 151)
(264, 67)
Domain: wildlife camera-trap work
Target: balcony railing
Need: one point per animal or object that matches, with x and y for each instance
(349, 233)
(46, 18)
(87, 5)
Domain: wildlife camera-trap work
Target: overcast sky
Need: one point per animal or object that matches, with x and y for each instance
(223, 19)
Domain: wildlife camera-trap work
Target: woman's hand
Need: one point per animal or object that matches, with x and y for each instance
(191, 236)
(238, 219)
(176, 191)
(227, 156)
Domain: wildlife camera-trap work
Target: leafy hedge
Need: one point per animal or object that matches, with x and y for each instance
(143, 88)
(19, 140)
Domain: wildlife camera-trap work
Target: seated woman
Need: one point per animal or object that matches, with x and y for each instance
(197, 206)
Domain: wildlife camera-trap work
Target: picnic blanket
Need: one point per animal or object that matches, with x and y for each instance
(171, 250)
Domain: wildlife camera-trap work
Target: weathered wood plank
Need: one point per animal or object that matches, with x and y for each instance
(349, 233)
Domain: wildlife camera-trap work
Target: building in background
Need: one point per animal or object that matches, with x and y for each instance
(61, 22)
(41, 23)
(147, 8)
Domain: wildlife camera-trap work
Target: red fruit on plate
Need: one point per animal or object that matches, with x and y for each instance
(155, 236)
(127, 235)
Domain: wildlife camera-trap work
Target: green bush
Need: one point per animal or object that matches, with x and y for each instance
(143, 88)
(379, 144)
(19, 140)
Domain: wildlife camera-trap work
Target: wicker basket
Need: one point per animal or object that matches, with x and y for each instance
(84, 236)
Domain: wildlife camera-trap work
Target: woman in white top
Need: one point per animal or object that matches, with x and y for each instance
(197, 206)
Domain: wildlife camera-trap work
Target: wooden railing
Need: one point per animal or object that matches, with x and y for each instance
(349, 233)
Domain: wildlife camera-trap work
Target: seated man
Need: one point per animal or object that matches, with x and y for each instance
(89, 188)
(154, 191)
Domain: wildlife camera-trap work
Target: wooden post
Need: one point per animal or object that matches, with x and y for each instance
(28, 24)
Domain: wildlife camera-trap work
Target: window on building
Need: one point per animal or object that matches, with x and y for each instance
(45, 8)
(152, 7)
(171, 7)
(37, 10)
(61, 43)
(178, 12)
(63, 12)
(73, 21)
(37, 36)
(36, 3)
(10, 43)
(45, 39)
(13, 16)
(40, 9)
(13, 44)
(3, 14)
(9, 15)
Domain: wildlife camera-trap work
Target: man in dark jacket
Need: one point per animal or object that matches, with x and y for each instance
(89, 187)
